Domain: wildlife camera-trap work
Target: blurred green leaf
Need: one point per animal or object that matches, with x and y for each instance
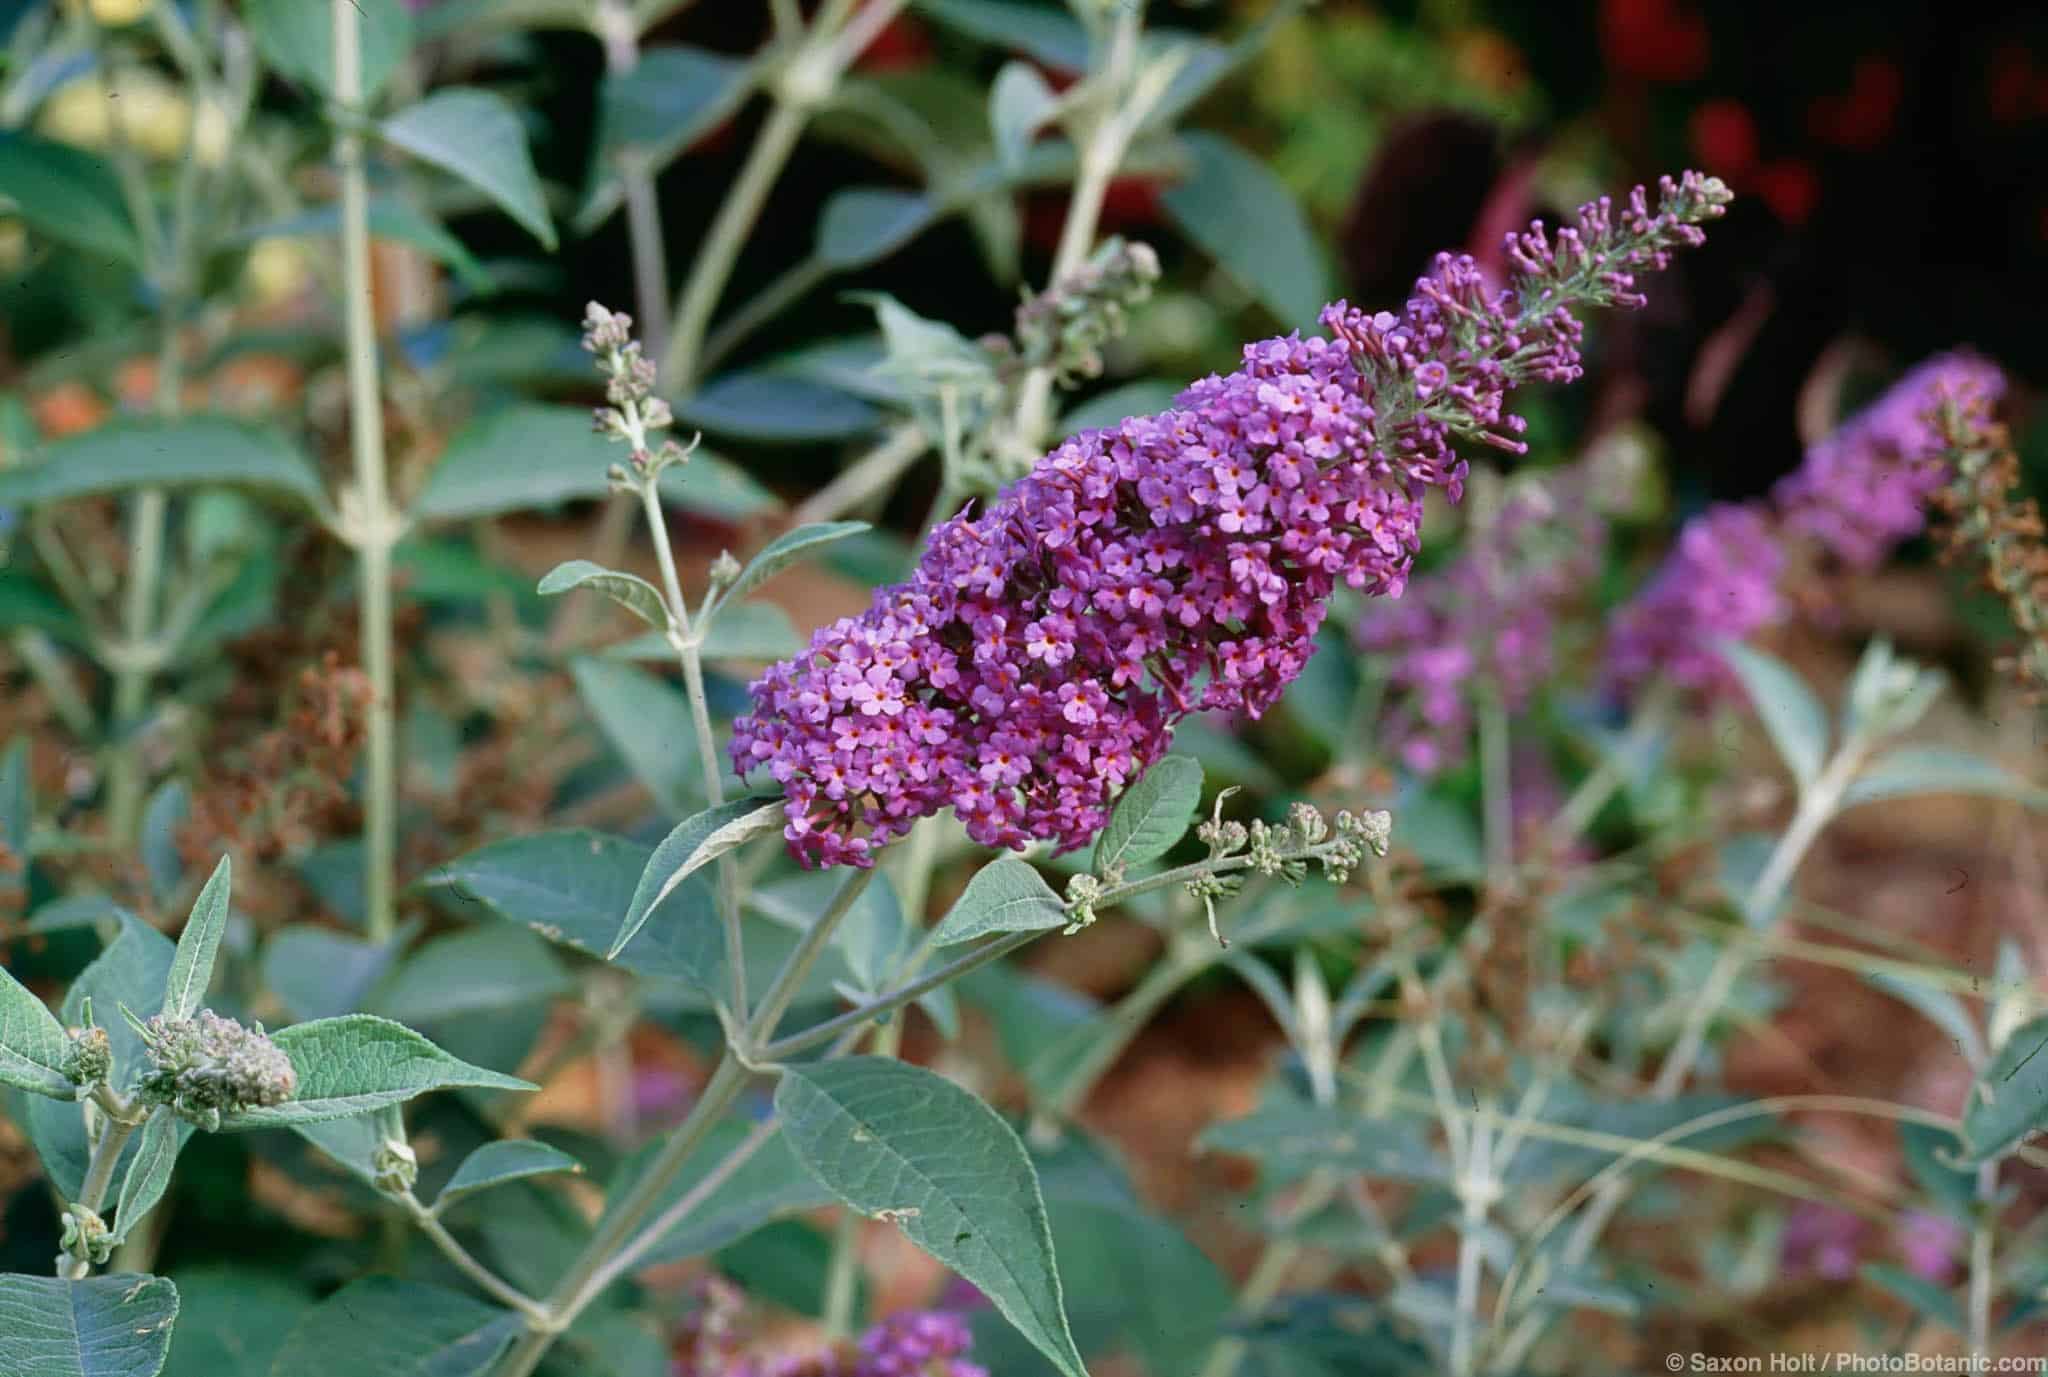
(110, 1326)
(35, 1051)
(317, 972)
(384, 1327)
(1245, 218)
(1296, 1137)
(672, 97)
(647, 721)
(297, 38)
(476, 136)
(2009, 1102)
(776, 408)
(1795, 719)
(770, 1185)
(391, 219)
(863, 224)
(1020, 103)
(1145, 397)
(146, 453)
(1920, 1295)
(1054, 38)
(232, 1320)
(1909, 771)
(68, 194)
(488, 970)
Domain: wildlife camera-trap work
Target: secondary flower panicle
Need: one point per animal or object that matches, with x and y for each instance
(207, 1066)
(1858, 494)
(1988, 525)
(1864, 489)
(1043, 650)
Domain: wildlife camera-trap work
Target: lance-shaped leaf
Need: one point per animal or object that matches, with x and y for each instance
(1227, 189)
(495, 1163)
(647, 721)
(35, 1051)
(629, 591)
(695, 843)
(861, 224)
(784, 551)
(68, 194)
(384, 1327)
(298, 40)
(897, 1142)
(149, 1174)
(355, 1143)
(1020, 103)
(192, 966)
(2009, 1102)
(769, 1185)
(1910, 770)
(1006, 895)
(476, 136)
(118, 1326)
(1152, 815)
(357, 1063)
(1798, 724)
(159, 453)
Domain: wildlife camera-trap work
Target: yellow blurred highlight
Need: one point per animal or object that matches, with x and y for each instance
(278, 272)
(112, 13)
(154, 115)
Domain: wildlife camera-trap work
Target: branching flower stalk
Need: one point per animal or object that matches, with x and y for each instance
(373, 526)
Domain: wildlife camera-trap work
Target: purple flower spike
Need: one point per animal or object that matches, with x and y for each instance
(1042, 652)
(918, 1343)
(1863, 490)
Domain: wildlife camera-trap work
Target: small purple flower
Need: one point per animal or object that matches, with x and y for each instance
(1247, 503)
(1863, 490)
(917, 1343)
(1822, 1241)
(1932, 1245)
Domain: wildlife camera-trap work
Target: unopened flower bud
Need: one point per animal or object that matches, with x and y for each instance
(396, 1165)
(91, 1057)
(724, 570)
(207, 1066)
(1084, 891)
(86, 1235)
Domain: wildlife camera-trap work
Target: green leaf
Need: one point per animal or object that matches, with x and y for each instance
(476, 136)
(694, 844)
(192, 966)
(571, 886)
(895, 1141)
(1908, 771)
(317, 972)
(1795, 719)
(483, 971)
(232, 1320)
(298, 40)
(356, 1141)
(1042, 31)
(163, 817)
(672, 97)
(149, 1174)
(863, 224)
(1243, 216)
(1742, 860)
(783, 551)
(17, 804)
(1296, 1137)
(647, 721)
(1152, 815)
(118, 1326)
(629, 591)
(1006, 895)
(770, 1185)
(1109, 408)
(384, 1327)
(34, 1048)
(508, 1159)
(1939, 1007)
(68, 194)
(776, 409)
(358, 1062)
(165, 453)
(872, 936)
(1930, 1155)
(1919, 1294)
(2009, 1102)
(1020, 103)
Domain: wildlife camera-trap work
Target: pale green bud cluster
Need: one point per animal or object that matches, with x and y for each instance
(92, 1058)
(86, 1235)
(1339, 845)
(635, 412)
(1065, 327)
(396, 1167)
(207, 1066)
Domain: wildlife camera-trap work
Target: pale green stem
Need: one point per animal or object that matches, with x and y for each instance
(119, 1126)
(374, 522)
(689, 653)
(1982, 1275)
(1476, 1190)
(868, 477)
(1497, 789)
(49, 669)
(497, 1287)
(1591, 796)
(1125, 1020)
(620, 36)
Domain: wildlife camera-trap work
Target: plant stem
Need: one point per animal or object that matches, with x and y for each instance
(783, 1048)
(866, 478)
(498, 1288)
(798, 963)
(689, 653)
(375, 524)
(1591, 796)
(1476, 1190)
(1982, 1241)
(1497, 793)
(99, 1171)
(620, 35)
(1125, 1019)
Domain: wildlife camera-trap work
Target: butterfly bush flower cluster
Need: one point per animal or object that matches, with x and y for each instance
(1488, 617)
(1857, 494)
(916, 1343)
(207, 1066)
(1043, 650)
